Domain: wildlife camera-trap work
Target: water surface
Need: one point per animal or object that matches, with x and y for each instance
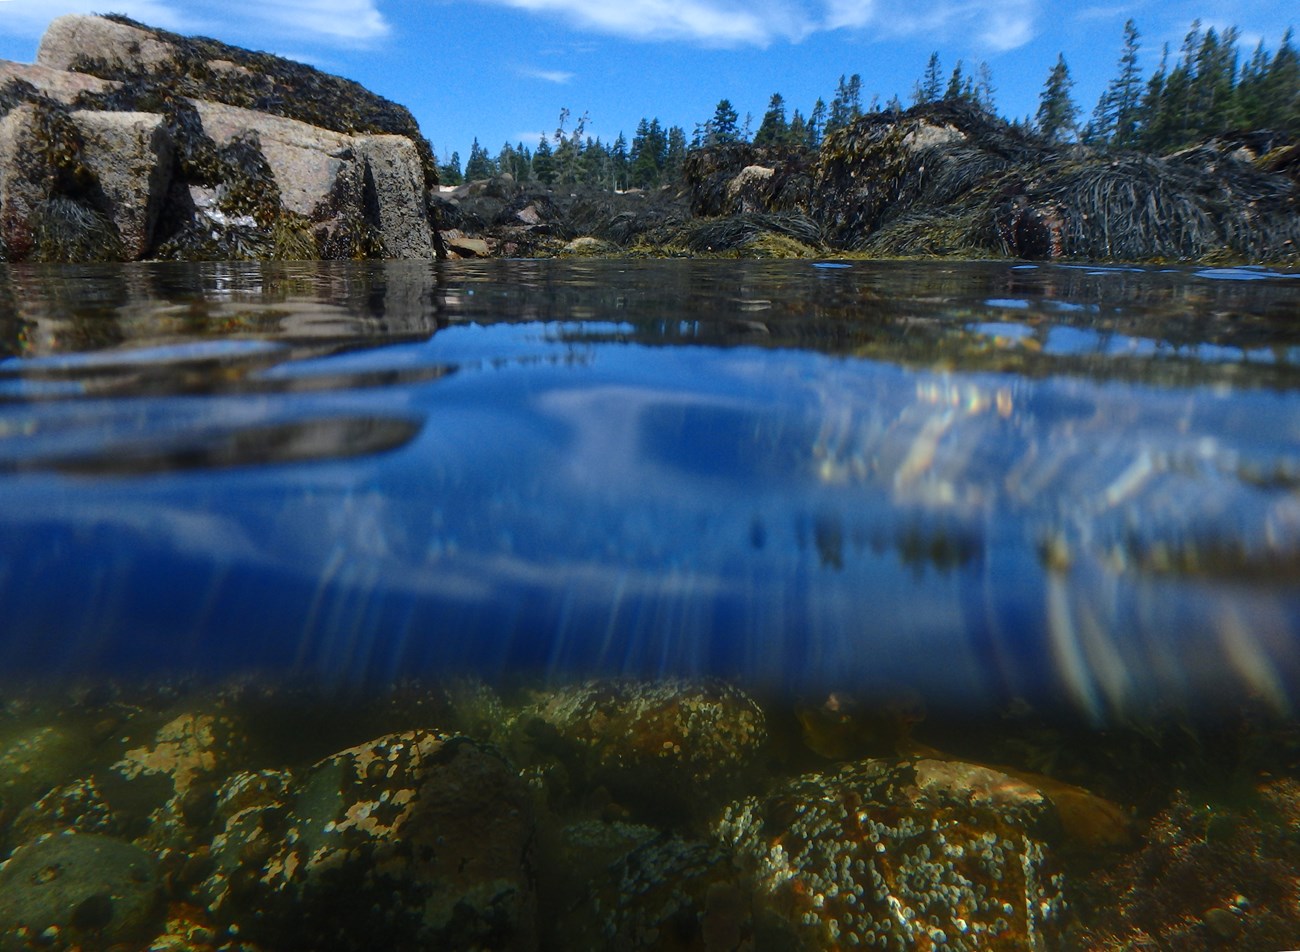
(974, 481)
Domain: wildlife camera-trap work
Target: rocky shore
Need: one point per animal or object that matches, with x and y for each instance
(124, 142)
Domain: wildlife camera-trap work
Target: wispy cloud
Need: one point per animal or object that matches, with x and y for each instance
(549, 75)
(334, 22)
(709, 22)
(996, 24)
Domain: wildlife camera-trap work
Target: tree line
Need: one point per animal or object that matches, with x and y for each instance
(1207, 90)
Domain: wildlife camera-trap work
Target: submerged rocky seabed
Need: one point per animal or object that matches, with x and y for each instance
(631, 815)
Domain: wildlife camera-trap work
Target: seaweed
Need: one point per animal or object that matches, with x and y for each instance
(269, 84)
(951, 179)
(15, 93)
(248, 185)
(736, 231)
(67, 231)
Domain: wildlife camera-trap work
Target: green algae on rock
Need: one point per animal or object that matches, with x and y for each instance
(77, 890)
(410, 840)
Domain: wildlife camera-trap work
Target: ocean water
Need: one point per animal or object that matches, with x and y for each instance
(1037, 507)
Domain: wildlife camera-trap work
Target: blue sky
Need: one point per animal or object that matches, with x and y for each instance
(502, 70)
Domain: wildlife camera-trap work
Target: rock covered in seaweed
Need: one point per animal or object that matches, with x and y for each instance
(413, 840)
(126, 142)
(919, 854)
(662, 747)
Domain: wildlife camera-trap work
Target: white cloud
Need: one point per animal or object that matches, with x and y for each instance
(335, 22)
(849, 14)
(29, 18)
(549, 75)
(996, 24)
(711, 22)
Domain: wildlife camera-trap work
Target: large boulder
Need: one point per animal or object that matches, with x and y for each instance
(306, 160)
(413, 840)
(20, 190)
(130, 154)
(59, 85)
(129, 142)
(73, 43)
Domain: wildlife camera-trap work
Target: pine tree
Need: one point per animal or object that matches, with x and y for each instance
(930, 86)
(847, 104)
(817, 124)
(621, 165)
(674, 154)
(956, 85)
(723, 128)
(1214, 105)
(480, 165)
(985, 91)
(774, 128)
(1281, 88)
(797, 132)
(1056, 110)
(1114, 120)
(649, 154)
(449, 172)
(544, 162)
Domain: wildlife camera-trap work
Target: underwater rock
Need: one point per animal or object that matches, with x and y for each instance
(412, 840)
(159, 793)
(658, 892)
(664, 747)
(34, 759)
(900, 855)
(130, 154)
(1216, 870)
(77, 890)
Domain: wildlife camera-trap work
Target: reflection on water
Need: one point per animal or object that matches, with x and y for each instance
(999, 566)
(981, 481)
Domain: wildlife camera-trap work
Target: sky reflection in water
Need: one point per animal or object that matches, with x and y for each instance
(977, 481)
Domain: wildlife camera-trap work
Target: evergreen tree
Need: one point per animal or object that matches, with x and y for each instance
(930, 86)
(774, 128)
(796, 133)
(675, 154)
(649, 154)
(985, 91)
(1115, 119)
(722, 128)
(620, 163)
(846, 106)
(1056, 110)
(1213, 103)
(544, 162)
(449, 172)
(1281, 88)
(817, 124)
(480, 165)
